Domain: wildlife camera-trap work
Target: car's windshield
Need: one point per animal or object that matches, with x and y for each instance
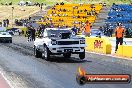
(4, 33)
(95, 31)
(56, 33)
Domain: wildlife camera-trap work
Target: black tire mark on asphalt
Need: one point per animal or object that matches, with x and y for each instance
(28, 51)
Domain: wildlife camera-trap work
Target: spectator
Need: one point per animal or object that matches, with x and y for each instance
(51, 24)
(87, 28)
(101, 28)
(57, 4)
(83, 32)
(29, 17)
(22, 32)
(78, 12)
(41, 6)
(85, 10)
(0, 24)
(7, 22)
(119, 32)
(81, 28)
(64, 10)
(114, 4)
(10, 3)
(29, 33)
(26, 3)
(4, 23)
(104, 4)
(88, 13)
(22, 22)
(111, 32)
(78, 16)
(127, 34)
(92, 6)
(74, 29)
(2, 4)
(33, 34)
(62, 3)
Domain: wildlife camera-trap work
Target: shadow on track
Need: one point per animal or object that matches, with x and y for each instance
(61, 59)
(26, 50)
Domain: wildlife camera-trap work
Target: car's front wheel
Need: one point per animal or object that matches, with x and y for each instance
(37, 53)
(46, 53)
(82, 55)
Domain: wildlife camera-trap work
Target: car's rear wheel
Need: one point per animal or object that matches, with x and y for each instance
(37, 53)
(82, 55)
(46, 53)
(67, 55)
(10, 41)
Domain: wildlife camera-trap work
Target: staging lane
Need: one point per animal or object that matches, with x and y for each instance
(59, 72)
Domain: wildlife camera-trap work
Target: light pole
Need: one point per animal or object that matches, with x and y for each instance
(12, 15)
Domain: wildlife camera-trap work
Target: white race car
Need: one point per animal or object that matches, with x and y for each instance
(5, 37)
(56, 41)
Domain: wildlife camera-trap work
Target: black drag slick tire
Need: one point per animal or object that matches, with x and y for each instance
(82, 55)
(46, 53)
(37, 53)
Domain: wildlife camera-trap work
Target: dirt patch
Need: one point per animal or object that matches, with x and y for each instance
(18, 12)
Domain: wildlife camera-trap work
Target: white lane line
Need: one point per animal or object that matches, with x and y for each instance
(7, 81)
(111, 55)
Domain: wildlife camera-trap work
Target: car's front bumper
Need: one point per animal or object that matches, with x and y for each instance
(67, 49)
(5, 39)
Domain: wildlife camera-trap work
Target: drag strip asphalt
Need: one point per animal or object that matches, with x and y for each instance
(23, 70)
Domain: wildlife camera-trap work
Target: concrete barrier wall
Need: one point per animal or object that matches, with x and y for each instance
(124, 50)
(24, 29)
(99, 45)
